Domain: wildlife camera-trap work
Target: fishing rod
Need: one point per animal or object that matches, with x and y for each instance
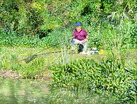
(30, 58)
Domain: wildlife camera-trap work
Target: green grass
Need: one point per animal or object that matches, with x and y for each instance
(120, 85)
(12, 59)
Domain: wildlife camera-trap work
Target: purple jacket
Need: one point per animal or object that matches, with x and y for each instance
(80, 35)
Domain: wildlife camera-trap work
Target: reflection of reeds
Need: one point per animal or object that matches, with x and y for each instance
(81, 96)
(22, 91)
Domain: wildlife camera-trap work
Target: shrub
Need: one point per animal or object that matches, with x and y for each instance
(107, 76)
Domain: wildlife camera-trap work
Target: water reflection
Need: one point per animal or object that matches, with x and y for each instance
(37, 92)
(22, 91)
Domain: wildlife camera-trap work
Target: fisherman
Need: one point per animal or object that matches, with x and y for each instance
(80, 36)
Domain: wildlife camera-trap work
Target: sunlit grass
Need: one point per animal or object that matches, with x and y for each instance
(12, 59)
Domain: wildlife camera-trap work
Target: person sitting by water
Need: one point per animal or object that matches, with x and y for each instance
(80, 36)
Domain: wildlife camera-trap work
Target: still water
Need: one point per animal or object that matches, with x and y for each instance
(23, 91)
(26, 91)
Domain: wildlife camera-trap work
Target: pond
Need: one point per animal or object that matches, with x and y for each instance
(27, 91)
(22, 91)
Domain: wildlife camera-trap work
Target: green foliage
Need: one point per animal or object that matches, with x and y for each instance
(33, 17)
(38, 18)
(110, 25)
(133, 34)
(125, 36)
(106, 76)
(11, 39)
(14, 62)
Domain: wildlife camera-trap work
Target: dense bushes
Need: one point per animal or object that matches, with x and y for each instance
(12, 39)
(110, 35)
(53, 22)
(110, 77)
(39, 16)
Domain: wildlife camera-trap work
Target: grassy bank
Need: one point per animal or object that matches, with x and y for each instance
(12, 59)
(112, 74)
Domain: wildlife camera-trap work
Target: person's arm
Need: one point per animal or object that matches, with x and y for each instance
(87, 37)
(74, 35)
